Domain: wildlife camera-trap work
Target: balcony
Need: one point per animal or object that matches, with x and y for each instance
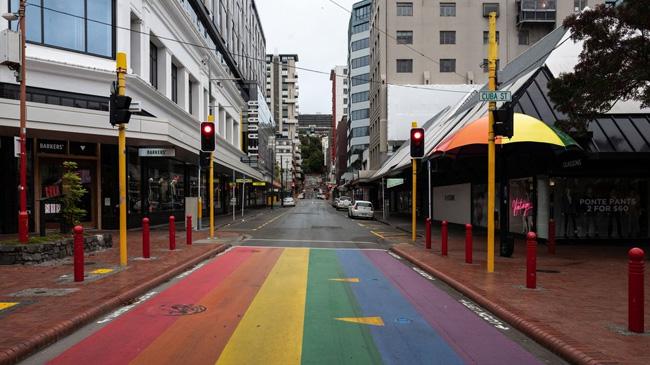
(537, 11)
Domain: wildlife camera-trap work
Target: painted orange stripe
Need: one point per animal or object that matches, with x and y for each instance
(200, 338)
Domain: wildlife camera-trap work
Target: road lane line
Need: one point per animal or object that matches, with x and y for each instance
(394, 255)
(271, 221)
(199, 339)
(271, 330)
(378, 235)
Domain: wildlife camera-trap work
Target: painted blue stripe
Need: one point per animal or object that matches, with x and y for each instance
(406, 337)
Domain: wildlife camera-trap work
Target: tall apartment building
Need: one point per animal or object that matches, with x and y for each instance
(173, 49)
(340, 94)
(453, 36)
(282, 92)
(358, 65)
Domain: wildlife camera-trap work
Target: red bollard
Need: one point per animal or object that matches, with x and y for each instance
(188, 230)
(531, 260)
(78, 253)
(635, 290)
(444, 238)
(427, 225)
(172, 233)
(551, 236)
(146, 245)
(468, 243)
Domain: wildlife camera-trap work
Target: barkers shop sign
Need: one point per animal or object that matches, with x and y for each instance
(52, 146)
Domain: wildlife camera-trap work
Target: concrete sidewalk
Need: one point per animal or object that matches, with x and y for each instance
(50, 305)
(579, 309)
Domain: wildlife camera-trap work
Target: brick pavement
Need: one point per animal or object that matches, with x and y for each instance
(579, 309)
(40, 320)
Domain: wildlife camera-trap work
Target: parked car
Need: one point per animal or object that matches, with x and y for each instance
(361, 209)
(343, 203)
(289, 202)
(335, 202)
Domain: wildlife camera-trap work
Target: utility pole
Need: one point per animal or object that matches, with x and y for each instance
(492, 59)
(121, 151)
(23, 216)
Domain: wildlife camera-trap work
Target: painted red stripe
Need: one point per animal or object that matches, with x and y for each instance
(124, 338)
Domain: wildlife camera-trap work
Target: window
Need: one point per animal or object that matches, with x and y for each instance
(345, 110)
(359, 62)
(578, 5)
(190, 90)
(360, 28)
(360, 114)
(489, 8)
(174, 83)
(524, 37)
(78, 25)
(485, 65)
(362, 13)
(447, 65)
(357, 45)
(447, 37)
(345, 91)
(153, 65)
(360, 79)
(404, 66)
(360, 97)
(486, 36)
(447, 9)
(404, 9)
(404, 37)
(345, 100)
(359, 132)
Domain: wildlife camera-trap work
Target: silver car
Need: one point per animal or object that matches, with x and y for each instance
(361, 209)
(289, 202)
(343, 203)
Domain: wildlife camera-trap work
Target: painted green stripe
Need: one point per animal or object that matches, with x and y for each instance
(326, 340)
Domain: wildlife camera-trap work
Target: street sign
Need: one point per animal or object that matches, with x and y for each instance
(251, 159)
(495, 96)
(246, 181)
(259, 183)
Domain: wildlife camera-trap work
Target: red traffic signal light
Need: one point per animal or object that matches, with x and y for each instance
(417, 142)
(207, 137)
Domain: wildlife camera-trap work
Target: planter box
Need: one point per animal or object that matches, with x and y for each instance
(36, 253)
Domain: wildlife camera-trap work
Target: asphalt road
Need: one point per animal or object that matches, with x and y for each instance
(338, 298)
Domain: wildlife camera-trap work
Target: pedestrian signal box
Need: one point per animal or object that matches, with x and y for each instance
(417, 142)
(207, 137)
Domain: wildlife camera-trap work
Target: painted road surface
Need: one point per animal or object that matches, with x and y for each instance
(256, 305)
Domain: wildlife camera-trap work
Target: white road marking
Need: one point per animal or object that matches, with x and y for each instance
(483, 314)
(394, 255)
(306, 241)
(125, 309)
(188, 272)
(423, 273)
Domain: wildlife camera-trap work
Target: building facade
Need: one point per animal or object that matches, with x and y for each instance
(282, 92)
(70, 68)
(445, 42)
(340, 94)
(311, 124)
(358, 135)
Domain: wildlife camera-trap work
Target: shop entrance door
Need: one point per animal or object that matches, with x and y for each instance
(51, 173)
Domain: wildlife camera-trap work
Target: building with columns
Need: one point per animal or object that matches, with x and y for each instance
(186, 59)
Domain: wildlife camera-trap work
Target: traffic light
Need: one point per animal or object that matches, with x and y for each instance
(204, 159)
(207, 136)
(504, 121)
(417, 142)
(118, 109)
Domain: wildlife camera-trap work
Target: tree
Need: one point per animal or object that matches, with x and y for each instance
(312, 154)
(73, 191)
(614, 64)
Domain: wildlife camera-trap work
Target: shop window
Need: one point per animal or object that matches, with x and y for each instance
(166, 190)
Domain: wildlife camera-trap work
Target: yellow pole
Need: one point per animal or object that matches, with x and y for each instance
(211, 187)
(492, 59)
(414, 192)
(121, 90)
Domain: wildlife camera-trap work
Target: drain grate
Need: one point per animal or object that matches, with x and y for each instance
(183, 309)
(43, 292)
(547, 271)
(402, 320)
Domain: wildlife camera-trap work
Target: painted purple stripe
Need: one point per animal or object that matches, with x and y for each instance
(475, 340)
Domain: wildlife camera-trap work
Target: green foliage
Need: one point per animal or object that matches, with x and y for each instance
(614, 64)
(73, 191)
(312, 155)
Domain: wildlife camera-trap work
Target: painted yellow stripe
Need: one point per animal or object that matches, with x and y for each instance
(346, 280)
(5, 305)
(271, 330)
(371, 321)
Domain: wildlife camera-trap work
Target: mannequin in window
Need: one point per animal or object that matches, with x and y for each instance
(569, 212)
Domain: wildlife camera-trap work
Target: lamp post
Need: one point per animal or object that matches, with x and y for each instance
(23, 216)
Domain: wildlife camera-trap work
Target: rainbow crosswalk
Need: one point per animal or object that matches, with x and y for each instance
(299, 306)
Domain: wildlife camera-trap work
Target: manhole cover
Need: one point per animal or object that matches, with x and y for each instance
(43, 292)
(402, 320)
(548, 271)
(183, 309)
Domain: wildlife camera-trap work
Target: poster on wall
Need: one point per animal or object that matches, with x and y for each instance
(522, 206)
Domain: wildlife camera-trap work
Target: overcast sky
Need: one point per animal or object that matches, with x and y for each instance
(316, 30)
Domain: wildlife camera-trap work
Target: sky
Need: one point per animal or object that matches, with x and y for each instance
(316, 30)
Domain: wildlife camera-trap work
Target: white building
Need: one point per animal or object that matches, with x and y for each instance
(70, 67)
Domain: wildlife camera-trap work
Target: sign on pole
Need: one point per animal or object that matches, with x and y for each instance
(244, 181)
(496, 96)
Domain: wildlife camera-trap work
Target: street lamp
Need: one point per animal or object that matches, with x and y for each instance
(23, 216)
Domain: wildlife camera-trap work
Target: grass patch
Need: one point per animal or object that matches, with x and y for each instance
(37, 239)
